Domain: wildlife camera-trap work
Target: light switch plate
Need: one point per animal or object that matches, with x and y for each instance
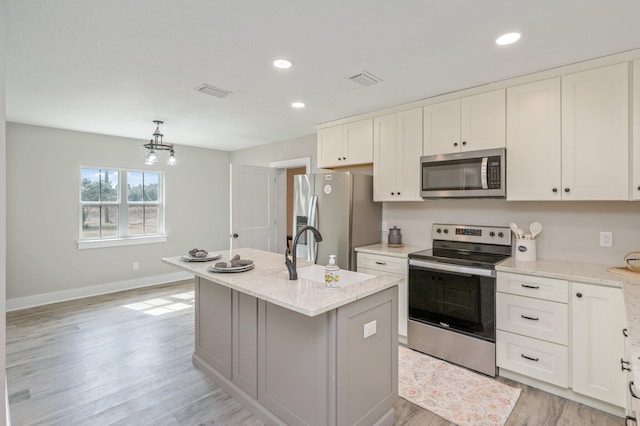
(370, 329)
(384, 226)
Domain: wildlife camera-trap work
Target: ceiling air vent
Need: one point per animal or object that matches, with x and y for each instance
(365, 79)
(213, 91)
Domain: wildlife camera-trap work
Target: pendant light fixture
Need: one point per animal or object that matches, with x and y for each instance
(156, 144)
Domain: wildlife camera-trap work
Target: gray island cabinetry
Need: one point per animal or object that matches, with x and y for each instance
(293, 351)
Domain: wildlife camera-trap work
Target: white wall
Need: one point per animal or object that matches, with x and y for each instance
(43, 166)
(4, 414)
(571, 230)
(262, 155)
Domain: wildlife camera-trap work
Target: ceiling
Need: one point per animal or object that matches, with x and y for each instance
(111, 67)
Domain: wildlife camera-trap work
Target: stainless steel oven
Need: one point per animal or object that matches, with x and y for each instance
(452, 290)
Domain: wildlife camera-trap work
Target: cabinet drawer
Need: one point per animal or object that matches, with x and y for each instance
(532, 317)
(394, 265)
(530, 286)
(541, 360)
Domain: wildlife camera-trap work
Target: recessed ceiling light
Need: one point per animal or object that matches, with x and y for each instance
(282, 63)
(298, 104)
(508, 38)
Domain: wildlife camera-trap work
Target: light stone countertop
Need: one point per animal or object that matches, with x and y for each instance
(385, 250)
(269, 281)
(591, 274)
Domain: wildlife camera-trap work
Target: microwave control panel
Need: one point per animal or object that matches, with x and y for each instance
(494, 173)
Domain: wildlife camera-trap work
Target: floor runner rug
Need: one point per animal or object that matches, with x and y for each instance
(453, 393)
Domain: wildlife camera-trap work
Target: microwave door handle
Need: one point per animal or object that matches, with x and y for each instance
(484, 172)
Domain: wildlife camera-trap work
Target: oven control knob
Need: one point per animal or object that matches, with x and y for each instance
(492, 234)
(439, 231)
(500, 234)
(446, 231)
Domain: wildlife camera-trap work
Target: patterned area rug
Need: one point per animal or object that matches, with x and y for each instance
(453, 393)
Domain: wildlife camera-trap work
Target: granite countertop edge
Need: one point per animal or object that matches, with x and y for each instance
(269, 281)
(385, 250)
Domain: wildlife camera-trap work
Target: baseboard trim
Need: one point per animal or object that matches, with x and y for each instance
(18, 303)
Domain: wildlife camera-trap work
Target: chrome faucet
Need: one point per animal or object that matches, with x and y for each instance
(291, 263)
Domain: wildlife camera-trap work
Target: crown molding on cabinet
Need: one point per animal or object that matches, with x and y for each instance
(627, 56)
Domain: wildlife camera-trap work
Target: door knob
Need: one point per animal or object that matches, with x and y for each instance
(235, 235)
(579, 294)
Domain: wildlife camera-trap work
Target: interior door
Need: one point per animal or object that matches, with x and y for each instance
(252, 207)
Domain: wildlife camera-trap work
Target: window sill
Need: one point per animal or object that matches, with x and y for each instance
(116, 242)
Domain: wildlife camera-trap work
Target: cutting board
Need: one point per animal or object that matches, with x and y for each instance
(624, 271)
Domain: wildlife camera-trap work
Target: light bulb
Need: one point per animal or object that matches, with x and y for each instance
(152, 157)
(172, 159)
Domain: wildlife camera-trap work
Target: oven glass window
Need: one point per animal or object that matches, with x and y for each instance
(464, 303)
(452, 175)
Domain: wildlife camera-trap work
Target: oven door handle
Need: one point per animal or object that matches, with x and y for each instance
(452, 268)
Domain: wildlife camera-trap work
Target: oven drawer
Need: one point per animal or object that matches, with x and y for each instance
(532, 317)
(530, 286)
(544, 361)
(394, 265)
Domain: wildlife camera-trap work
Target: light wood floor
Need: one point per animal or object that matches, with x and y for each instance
(125, 359)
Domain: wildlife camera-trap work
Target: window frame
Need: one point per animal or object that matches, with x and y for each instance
(123, 238)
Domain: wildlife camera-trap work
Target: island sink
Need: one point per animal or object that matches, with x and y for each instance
(316, 273)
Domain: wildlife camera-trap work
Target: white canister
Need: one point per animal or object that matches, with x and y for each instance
(526, 250)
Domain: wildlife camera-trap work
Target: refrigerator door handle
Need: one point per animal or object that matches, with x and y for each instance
(313, 221)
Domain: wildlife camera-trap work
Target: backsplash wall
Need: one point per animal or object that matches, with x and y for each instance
(571, 230)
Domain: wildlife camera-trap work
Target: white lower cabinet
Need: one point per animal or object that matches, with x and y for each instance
(569, 334)
(377, 264)
(598, 321)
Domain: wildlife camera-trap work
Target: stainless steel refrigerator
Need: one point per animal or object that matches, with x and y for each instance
(340, 205)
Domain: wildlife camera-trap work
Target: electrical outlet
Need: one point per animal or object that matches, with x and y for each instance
(606, 239)
(370, 329)
(136, 266)
(384, 226)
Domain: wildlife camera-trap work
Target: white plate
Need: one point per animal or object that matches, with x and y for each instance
(231, 269)
(210, 256)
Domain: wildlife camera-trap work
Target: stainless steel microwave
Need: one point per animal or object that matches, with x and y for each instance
(472, 174)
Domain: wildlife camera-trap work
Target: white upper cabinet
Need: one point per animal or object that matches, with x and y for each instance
(534, 141)
(595, 134)
(397, 146)
(346, 144)
(467, 124)
(635, 190)
(567, 138)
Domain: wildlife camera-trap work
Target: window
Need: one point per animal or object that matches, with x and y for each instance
(120, 205)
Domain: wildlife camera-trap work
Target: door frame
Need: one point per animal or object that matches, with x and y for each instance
(281, 195)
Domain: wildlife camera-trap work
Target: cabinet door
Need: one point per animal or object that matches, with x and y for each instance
(598, 343)
(408, 157)
(635, 190)
(595, 134)
(330, 146)
(245, 343)
(357, 142)
(482, 124)
(385, 158)
(442, 128)
(534, 141)
(213, 306)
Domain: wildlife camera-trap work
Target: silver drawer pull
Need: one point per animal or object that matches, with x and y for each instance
(529, 358)
(535, 287)
(380, 263)
(530, 318)
(631, 391)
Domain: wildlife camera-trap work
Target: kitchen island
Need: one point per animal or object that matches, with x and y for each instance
(293, 351)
